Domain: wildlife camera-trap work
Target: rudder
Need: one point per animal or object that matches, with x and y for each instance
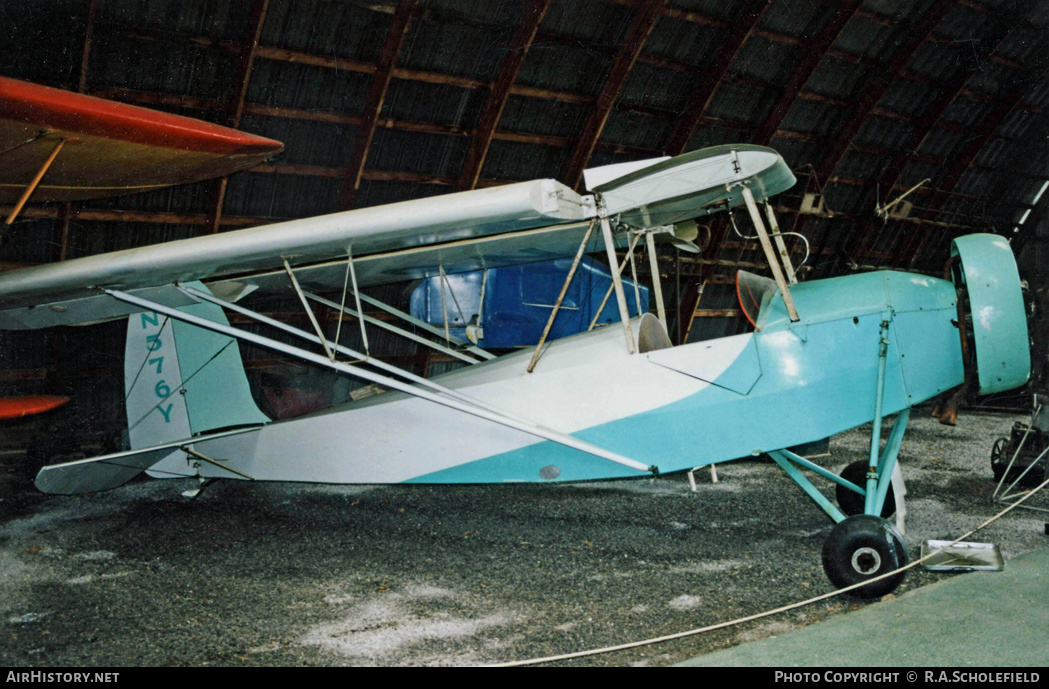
(181, 380)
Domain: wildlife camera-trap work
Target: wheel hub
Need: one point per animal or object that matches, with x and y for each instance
(866, 561)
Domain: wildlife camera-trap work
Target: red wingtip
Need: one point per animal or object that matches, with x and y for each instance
(17, 407)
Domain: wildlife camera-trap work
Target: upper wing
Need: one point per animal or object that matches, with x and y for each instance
(516, 223)
(54, 294)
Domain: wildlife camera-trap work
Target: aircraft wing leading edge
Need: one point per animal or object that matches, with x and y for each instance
(398, 226)
(515, 223)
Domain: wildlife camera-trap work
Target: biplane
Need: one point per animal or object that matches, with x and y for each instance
(615, 402)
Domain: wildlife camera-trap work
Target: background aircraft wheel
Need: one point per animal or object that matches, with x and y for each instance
(863, 547)
(998, 461)
(852, 503)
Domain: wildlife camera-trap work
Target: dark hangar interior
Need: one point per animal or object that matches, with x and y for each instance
(380, 101)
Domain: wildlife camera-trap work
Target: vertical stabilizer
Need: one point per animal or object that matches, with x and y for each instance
(181, 381)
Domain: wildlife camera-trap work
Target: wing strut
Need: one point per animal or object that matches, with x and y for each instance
(309, 312)
(560, 297)
(392, 328)
(33, 184)
(329, 346)
(608, 293)
(617, 279)
(770, 254)
(420, 324)
(657, 283)
(204, 458)
(473, 409)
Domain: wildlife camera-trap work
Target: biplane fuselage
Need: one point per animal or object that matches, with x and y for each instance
(673, 407)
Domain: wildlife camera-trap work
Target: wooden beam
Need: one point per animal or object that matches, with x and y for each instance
(361, 67)
(630, 47)
(344, 64)
(85, 54)
(391, 50)
(235, 108)
(717, 313)
(516, 52)
(866, 236)
(873, 92)
(740, 31)
(141, 216)
(1010, 99)
(876, 87)
(926, 122)
(330, 62)
(797, 136)
(683, 15)
(806, 68)
(85, 58)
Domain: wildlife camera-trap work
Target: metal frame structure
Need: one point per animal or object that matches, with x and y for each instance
(1003, 494)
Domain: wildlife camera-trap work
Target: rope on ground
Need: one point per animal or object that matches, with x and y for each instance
(769, 613)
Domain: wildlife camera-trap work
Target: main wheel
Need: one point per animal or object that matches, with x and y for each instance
(852, 502)
(861, 548)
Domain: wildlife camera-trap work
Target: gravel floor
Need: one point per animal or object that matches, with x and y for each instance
(271, 574)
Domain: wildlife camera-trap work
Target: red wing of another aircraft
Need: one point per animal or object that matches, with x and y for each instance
(65, 146)
(109, 148)
(17, 407)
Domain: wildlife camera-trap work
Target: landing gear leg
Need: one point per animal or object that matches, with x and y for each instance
(863, 545)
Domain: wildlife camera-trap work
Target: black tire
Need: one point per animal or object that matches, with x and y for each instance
(861, 548)
(998, 461)
(852, 502)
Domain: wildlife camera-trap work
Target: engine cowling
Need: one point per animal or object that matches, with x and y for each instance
(984, 266)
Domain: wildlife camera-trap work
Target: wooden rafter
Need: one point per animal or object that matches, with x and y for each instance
(865, 237)
(85, 59)
(235, 108)
(875, 88)
(740, 30)
(391, 51)
(814, 53)
(1010, 98)
(152, 98)
(626, 55)
(363, 67)
(873, 91)
(85, 54)
(516, 52)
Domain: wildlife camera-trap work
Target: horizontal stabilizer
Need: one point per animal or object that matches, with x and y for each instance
(111, 471)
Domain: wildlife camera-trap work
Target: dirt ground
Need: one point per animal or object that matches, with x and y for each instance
(290, 574)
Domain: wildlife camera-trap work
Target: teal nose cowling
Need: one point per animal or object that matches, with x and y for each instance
(986, 267)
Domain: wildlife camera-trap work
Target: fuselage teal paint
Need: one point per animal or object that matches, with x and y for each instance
(812, 379)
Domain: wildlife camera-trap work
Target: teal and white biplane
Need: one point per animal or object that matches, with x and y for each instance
(616, 402)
